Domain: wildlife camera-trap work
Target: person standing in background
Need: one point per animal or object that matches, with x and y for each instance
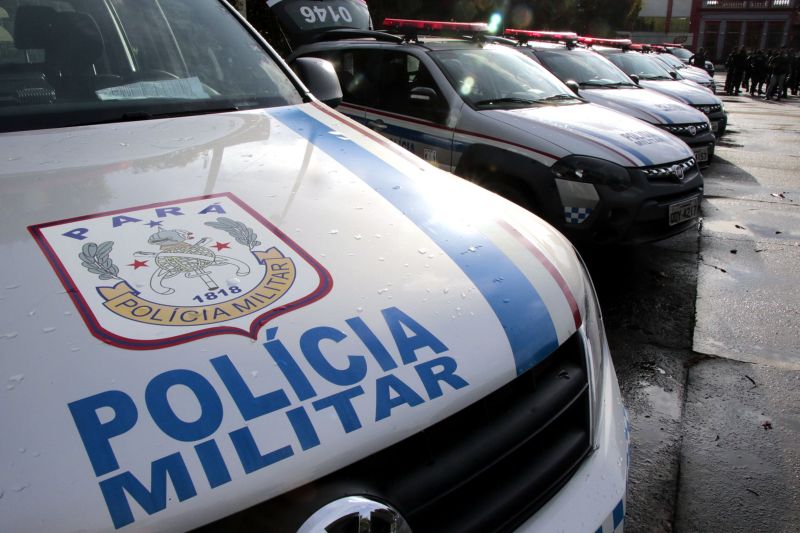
(757, 63)
(781, 66)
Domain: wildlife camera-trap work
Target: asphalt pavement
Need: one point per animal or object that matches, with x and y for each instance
(704, 330)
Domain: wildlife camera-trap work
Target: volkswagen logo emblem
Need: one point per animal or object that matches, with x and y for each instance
(677, 170)
(358, 514)
(692, 130)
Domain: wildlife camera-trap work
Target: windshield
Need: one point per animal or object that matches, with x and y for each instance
(499, 77)
(587, 69)
(681, 53)
(645, 67)
(73, 62)
(671, 60)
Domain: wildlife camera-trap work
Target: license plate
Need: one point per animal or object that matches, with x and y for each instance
(683, 211)
(701, 154)
(715, 126)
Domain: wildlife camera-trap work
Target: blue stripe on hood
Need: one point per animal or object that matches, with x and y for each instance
(516, 302)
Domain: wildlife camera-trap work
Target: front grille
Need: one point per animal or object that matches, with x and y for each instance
(687, 130)
(486, 468)
(708, 109)
(671, 172)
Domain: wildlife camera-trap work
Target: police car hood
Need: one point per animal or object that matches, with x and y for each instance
(644, 104)
(592, 130)
(203, 312)
(684, 92)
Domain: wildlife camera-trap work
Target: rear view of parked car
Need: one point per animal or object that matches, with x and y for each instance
(227, 306)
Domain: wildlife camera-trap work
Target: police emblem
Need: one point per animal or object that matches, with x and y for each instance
(159, 275)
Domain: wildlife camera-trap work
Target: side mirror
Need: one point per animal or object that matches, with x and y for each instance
(320, 78)
(673, 74)
(574, 87)
(422, 94)
(635, 79)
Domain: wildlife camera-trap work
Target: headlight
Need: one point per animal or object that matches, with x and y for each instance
(592, 170)
(594, 340)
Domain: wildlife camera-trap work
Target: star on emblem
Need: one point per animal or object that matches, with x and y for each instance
(138, 264)
(154, 223)
(221, 246)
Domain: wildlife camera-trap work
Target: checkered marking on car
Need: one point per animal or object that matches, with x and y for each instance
(576, 215)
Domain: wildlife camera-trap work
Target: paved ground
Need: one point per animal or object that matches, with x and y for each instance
(703, 329)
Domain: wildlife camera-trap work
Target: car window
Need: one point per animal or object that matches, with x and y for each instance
(645, 67)
(73, 62)
(358, 72)
(681, 53)
(494, 76)
(671, 60)
(401, 73)
(584, 68)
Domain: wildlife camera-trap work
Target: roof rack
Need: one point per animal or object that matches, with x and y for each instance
(524, 36)
(412, 28)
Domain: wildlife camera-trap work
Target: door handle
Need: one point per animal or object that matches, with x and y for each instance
(377, 124)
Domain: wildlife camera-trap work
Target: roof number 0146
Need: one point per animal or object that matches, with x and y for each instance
(320, 14)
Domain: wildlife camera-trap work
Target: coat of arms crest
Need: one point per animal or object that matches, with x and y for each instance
(157, 275)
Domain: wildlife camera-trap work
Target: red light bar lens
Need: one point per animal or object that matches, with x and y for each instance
(434, 25)
(541, 35)
(616, 43)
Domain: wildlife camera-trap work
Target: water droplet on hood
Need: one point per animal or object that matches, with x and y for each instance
(10, 287)
(359, 309)
(358, 236)
(10, 335)
(423, 251)
(254, 373)
(48, 330)
(233, 282)
(334, 231)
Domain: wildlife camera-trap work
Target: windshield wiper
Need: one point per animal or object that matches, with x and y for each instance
(557, 97)
(506, 100)
(134, 116)
(622, 84)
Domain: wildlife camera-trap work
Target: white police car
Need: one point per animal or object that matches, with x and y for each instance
(689, 72)
(490, 114)
(601, 82)
(225, 305)
(650, 73)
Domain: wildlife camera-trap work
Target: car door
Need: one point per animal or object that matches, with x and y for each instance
(411, 109)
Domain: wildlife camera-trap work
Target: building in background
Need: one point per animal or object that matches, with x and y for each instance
(720, 26)
(661, 21)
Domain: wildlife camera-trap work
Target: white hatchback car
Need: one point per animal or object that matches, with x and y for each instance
(225, 305)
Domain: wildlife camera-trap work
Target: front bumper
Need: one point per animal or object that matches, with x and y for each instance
(702, 144)
(593, 500)
(636, 215)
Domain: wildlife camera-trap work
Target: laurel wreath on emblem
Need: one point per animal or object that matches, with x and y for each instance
(96, 258)
(243, 235)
